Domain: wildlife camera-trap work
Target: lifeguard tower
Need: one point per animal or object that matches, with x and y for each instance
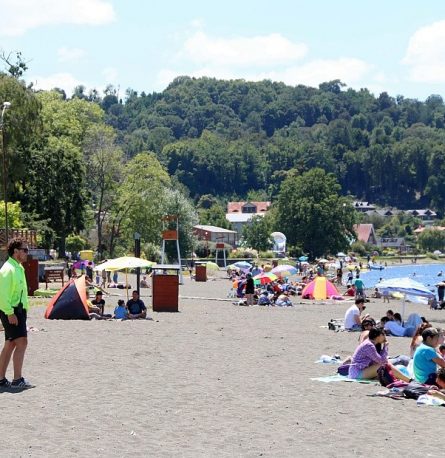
(220, 247)
(171, 235)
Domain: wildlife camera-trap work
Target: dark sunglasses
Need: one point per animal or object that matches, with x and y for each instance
(25, 250)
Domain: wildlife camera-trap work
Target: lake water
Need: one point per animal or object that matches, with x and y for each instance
(427, 274)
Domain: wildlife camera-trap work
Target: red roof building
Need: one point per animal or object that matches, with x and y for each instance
(365, 233)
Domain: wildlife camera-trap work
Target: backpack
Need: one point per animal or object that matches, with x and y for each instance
(386, 377)
(415, 389)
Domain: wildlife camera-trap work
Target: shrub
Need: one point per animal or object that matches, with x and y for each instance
(243, 253)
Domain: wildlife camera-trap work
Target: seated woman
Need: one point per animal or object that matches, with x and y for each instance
(370, 355)
(350, 291)
(264, 299)
(283, 300)
(417, 338)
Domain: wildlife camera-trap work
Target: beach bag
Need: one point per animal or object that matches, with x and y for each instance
(344, 369)
(385, 375)
(415, 389)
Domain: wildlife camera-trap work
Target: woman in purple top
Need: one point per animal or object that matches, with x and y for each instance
(370, 355)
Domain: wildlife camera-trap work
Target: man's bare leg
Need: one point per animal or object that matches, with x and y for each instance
(5, 357)
(20, 347)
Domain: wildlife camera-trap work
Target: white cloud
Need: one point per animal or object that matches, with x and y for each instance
(260, 50)
(110, 75)
(70, 54)
(425, 54)
(348, 70)
(19, 16)
(64, 81)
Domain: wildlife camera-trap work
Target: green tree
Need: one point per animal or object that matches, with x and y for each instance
(138, 206)
(104, 165)
(56, 188)
(432, 239)
(75, 243)
(257, 233)
(311, 213)
(15, 220)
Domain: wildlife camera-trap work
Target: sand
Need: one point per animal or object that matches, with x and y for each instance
(215, 380)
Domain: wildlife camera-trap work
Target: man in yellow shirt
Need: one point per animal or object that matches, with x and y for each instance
(13, 309)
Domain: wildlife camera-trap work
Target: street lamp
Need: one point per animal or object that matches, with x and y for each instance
(137, 254)
(5, 106)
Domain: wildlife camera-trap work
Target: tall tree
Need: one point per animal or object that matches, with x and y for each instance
(312, 215)
(139, 203)
(104, 166)
(55, 188)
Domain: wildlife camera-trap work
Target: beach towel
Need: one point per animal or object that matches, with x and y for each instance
(341, 378)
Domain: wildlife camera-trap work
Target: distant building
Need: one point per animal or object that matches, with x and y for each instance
(215, 234)
(426, 215)
(395, 243)
(363, 207)
(240, 213)
(365, 233)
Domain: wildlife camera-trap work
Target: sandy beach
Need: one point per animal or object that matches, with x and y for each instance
(214, 380)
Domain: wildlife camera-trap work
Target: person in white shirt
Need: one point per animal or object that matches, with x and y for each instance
(396, 329)
(353, 320)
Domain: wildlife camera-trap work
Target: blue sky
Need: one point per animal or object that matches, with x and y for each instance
(394, 46)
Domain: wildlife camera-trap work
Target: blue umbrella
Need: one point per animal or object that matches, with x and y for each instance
(243, 265)
(303, 258)
(411, 289)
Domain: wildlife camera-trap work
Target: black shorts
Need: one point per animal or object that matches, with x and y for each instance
(13, 332)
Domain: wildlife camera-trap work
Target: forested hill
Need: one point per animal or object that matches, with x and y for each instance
(230, 137)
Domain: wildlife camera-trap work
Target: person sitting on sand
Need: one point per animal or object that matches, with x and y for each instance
(120, 312)
(367, 325)
(426, 358)
(99, 302)
(136, 308)
(417, 338)
(376, 294)
(264, 298)
(350, 291)
(283, 300)
(353, 322)
(370, 355)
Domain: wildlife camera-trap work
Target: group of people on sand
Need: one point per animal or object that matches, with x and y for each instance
(134, 309)
(276, 293)
(424, 366)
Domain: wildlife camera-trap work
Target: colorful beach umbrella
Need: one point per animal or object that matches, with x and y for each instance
(320, 288)
(264, 278)
(284, 270)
